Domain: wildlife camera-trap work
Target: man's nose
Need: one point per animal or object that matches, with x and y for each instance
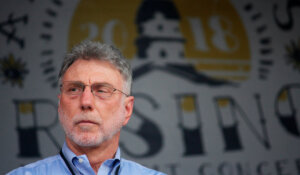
(87, 99)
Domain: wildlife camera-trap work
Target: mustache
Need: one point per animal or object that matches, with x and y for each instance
(87, 117)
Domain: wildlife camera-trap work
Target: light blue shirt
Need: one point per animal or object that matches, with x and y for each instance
(81, 166)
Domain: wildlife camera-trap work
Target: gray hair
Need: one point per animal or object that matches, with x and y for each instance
(95, 50)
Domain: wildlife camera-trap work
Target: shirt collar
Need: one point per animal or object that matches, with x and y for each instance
(70, 156)
(67, 152)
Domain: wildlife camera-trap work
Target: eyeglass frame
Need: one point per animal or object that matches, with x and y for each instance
(91, 85)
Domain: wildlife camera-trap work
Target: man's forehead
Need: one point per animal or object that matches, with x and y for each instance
(91, 63)
(91, 71)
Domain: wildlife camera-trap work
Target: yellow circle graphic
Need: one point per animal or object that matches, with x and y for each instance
(215, 40)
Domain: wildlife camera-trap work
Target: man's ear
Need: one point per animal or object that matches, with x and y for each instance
(129, 102)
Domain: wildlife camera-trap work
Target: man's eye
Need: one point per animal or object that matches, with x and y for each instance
(102, 89)
(73, 89)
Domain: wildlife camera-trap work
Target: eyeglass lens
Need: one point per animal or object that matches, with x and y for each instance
(98, 89)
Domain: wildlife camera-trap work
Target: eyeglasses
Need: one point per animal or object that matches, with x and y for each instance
(101, 90)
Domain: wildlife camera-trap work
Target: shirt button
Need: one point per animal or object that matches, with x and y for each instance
(80, 160)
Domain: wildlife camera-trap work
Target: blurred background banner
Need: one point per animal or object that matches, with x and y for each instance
(216, 83)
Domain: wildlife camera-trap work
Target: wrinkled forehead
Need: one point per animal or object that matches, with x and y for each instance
(93, 70)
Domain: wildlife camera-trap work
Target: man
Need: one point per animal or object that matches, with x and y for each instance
(94, 104)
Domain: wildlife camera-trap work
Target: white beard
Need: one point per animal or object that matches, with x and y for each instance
(83, 136)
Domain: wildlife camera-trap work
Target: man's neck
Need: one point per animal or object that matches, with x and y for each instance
(98, 154)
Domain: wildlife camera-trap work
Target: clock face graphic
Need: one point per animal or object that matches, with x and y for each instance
(202, 43)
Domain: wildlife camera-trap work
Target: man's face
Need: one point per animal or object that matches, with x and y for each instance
(87, 119)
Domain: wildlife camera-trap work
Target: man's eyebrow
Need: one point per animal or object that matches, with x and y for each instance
(70, 81)
(94, 83)
(103, 83)
(73, 81)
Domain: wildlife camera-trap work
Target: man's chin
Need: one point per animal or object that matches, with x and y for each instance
(88, 143)
(86, 139)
